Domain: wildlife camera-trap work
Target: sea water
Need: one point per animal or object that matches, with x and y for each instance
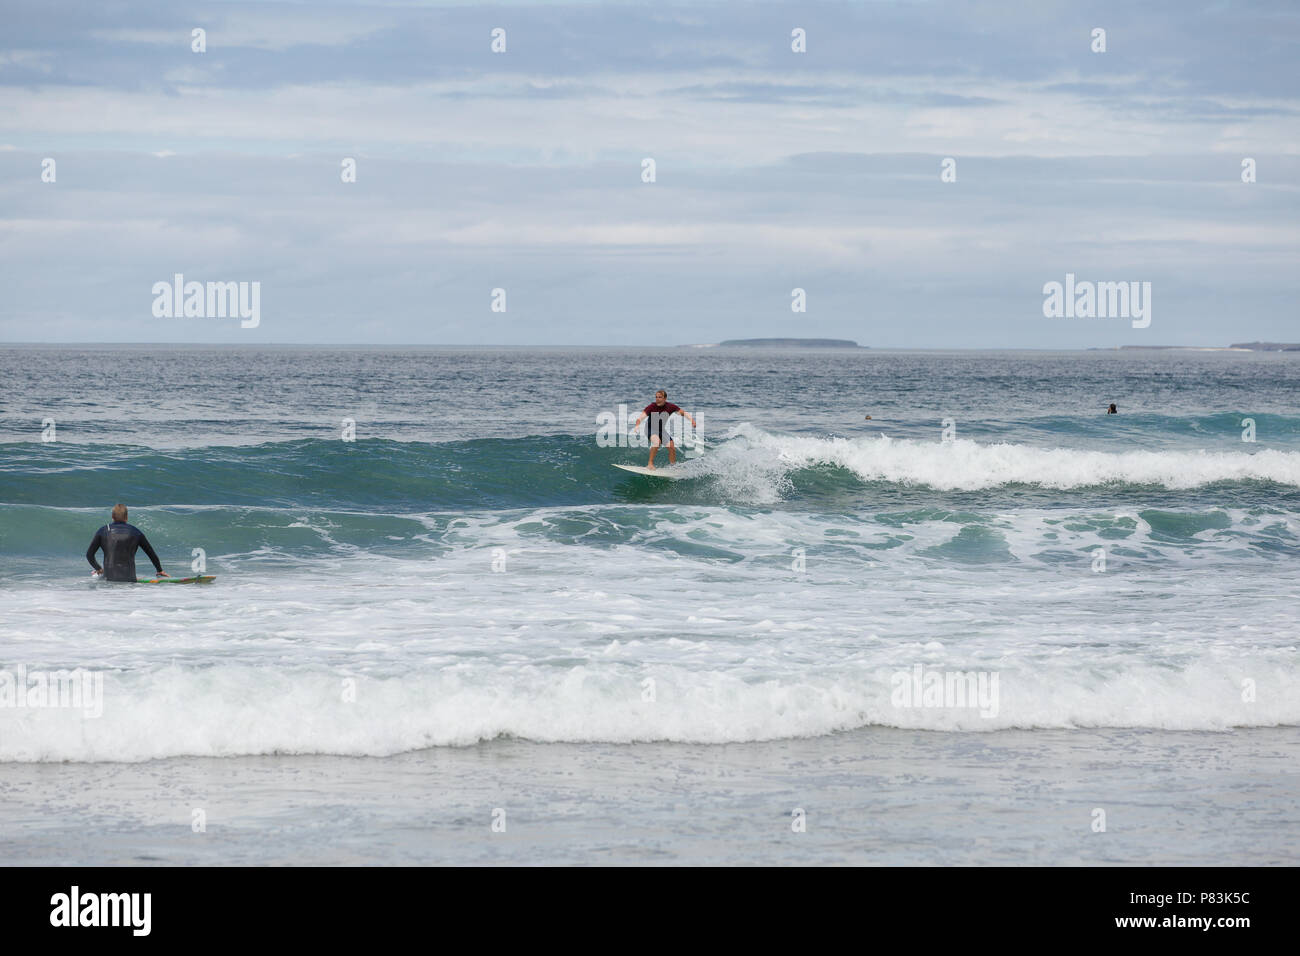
(422, 548)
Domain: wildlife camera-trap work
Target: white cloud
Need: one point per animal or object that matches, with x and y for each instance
(261, 29)
(629, 116)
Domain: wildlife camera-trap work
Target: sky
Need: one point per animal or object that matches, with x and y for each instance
(774, 170)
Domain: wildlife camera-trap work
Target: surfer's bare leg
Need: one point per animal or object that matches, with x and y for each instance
(672, 452)
(654, 448)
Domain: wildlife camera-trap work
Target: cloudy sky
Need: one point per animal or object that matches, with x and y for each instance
(775, 170)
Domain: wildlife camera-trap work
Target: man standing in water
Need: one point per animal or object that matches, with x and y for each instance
(120, 541)
(659, 411)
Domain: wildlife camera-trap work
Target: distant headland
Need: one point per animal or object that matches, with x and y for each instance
(788, 344)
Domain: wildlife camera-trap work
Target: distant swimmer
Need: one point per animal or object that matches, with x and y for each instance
(1112, 410)
(658, 412)
(119, 542)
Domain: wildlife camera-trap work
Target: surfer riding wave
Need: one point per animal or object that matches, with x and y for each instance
(658, 412)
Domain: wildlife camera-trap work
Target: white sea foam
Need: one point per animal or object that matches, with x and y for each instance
(239, 710)
(757, 462)
(703, 601)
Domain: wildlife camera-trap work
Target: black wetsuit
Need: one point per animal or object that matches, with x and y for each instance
(120, 541)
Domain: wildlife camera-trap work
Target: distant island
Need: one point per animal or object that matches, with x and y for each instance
(1175, 348)
(795, 343)
(1269, 346)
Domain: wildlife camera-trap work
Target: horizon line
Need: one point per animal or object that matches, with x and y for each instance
(788, 348)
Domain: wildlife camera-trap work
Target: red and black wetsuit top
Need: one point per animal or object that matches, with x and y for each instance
(657, 417)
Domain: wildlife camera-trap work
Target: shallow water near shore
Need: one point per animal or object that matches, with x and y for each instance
(871, 797)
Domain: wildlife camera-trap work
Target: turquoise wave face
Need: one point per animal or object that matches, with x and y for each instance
(750, 467)
(363, 475)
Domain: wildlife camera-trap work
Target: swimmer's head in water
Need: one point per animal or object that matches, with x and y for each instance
(1112, 410)
(119, 512)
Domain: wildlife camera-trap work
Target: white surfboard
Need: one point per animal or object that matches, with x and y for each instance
(667, 471)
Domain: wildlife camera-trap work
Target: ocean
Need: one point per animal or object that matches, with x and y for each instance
(435, 599)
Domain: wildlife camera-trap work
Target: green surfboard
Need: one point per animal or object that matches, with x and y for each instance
(198, 579)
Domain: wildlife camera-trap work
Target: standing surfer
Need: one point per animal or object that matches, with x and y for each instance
(120, 541)
(658, 412)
